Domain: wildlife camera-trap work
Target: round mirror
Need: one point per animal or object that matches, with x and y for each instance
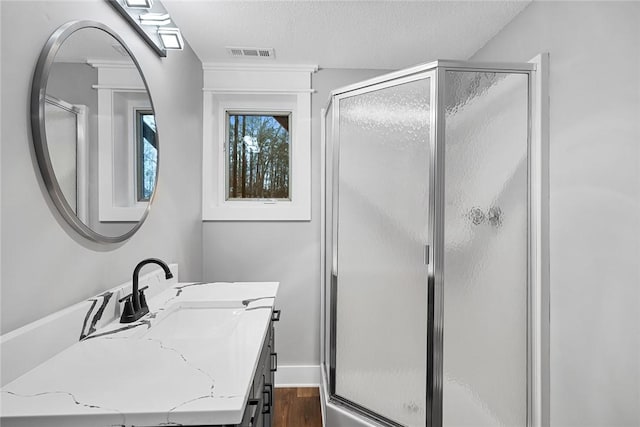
(94, 131)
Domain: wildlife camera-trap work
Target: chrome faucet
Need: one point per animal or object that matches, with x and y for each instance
(135, 305)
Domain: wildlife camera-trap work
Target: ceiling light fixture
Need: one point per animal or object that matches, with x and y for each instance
(171, 38)
(139, 4)
(157, 19)
(155, 26)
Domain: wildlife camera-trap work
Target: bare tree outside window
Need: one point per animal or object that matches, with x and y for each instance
(147, 157)
(258, 155)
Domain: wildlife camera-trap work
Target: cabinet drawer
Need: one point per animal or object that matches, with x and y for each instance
(252, 413)
(260, 407)
(258, 385)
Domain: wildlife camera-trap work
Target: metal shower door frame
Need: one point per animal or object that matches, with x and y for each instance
(387, 81)
(537, 232)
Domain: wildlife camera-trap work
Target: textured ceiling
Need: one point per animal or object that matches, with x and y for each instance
(342, 34)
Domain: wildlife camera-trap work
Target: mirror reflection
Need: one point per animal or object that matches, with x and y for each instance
(101, 134)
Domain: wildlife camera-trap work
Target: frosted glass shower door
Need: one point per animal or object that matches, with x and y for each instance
(485, 251)
(382, 218)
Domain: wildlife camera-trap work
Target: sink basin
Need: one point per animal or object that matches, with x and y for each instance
(194, 322)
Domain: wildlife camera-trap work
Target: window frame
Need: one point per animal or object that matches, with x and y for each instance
(227, 146)
(216, 206)
(139, 154)
(108, 209)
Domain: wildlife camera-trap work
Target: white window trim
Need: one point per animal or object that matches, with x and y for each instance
(114, 77)
(239, 91)
(108, 210)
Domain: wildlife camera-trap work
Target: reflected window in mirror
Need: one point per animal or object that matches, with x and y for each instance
(122, 163)
(86, 93)
(147, 154)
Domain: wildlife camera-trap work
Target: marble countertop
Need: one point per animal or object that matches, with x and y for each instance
(135, 375)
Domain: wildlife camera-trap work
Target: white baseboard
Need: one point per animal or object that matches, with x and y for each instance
(298, 376)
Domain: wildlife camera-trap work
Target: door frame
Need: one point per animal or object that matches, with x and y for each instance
(82, 153)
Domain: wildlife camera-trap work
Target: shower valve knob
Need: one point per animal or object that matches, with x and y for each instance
(476, 216)
(495, 216)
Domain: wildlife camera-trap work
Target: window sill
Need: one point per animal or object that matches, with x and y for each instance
(264, 210)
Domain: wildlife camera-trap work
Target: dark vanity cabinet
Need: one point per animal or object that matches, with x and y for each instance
(260, 405)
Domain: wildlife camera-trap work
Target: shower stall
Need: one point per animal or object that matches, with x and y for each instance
(434, 294)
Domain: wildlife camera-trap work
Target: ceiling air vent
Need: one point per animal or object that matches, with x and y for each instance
(252, 52)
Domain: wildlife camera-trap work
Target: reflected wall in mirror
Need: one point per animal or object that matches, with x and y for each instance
(94, 131)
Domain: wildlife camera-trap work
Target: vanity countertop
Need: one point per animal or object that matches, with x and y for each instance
(148, 373)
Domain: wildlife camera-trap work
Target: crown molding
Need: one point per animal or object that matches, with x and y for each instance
(103, 63)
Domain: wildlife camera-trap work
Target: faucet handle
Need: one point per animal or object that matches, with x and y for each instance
(143, 300)
(127, 312)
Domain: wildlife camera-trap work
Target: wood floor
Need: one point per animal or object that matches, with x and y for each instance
(297, 407)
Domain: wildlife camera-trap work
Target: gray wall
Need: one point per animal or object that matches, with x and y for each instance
(45, 266)
(76, 90)
(288, 252)
(594, 52)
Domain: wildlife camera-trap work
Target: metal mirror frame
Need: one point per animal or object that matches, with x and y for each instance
(39, 134)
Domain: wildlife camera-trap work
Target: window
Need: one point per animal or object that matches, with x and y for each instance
(256, 148)
(147, 154)
(127, 146)
(127, 143)
(258, 156)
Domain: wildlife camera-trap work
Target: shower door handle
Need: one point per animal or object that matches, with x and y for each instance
(426, 254)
